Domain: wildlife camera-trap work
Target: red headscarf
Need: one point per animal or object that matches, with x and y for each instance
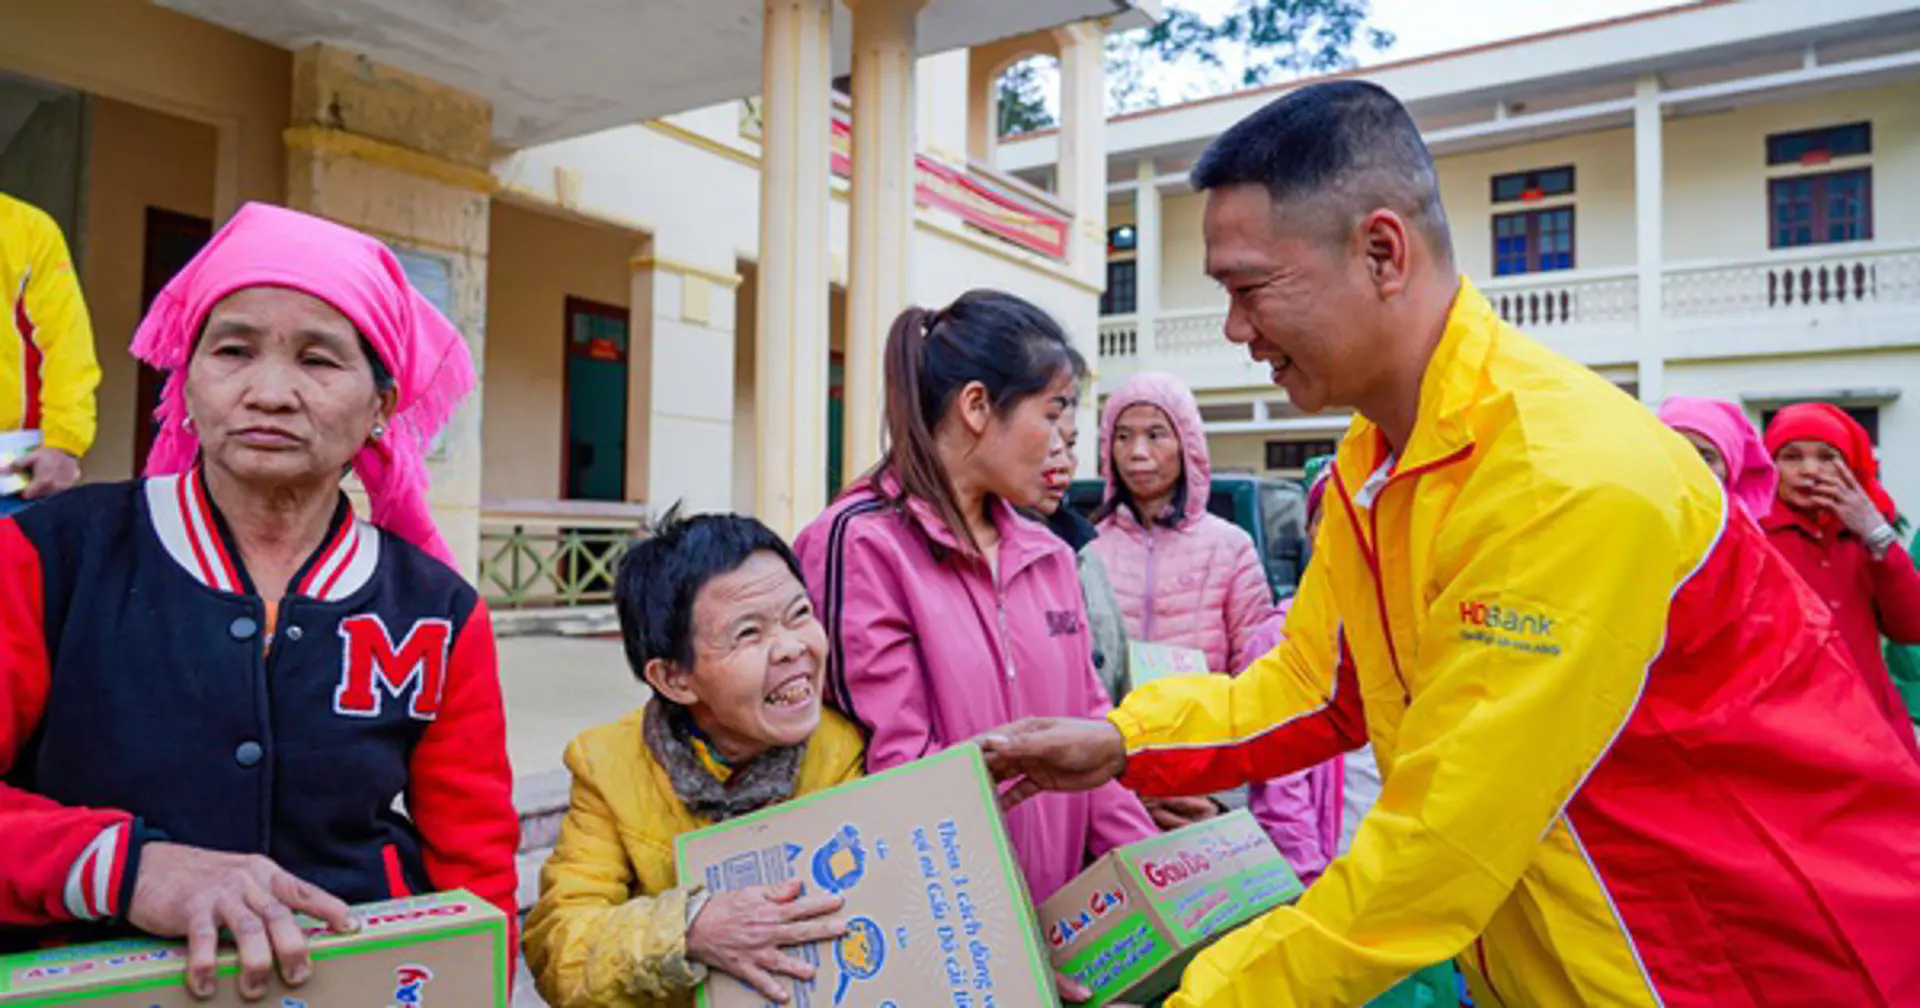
(1829, 424)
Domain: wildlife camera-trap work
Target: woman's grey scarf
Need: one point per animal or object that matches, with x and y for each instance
(767, 779)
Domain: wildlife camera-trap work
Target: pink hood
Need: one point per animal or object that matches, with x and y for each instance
(1751, 475)
(1198, 584)
(1171, 395)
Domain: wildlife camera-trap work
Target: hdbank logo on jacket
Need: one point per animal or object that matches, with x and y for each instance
(1507, 626)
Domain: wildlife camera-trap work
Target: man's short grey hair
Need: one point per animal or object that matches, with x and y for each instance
(1348, 147)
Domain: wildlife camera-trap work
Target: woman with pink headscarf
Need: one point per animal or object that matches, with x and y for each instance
(1727, 441)
(216, 681)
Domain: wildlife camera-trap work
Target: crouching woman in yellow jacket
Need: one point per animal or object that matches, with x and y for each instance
(717, 621)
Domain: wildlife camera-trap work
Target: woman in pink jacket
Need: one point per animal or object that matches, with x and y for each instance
(949, 613)
(1183, 576)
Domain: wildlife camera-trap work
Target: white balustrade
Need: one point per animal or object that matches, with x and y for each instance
(1544, 302)
(1119, 336)
(1190, 333)
(1826, 279)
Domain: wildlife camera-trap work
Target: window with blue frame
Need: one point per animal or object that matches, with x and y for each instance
(1533, 241)
(1821, 209)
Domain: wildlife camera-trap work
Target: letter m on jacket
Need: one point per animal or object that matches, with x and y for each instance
(373, 669)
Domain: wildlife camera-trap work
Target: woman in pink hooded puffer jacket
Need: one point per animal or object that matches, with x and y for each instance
(1182, 576)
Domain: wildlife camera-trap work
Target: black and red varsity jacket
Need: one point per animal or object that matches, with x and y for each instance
(145, 694)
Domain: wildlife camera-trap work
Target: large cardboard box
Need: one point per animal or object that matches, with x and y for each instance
(1128, 926)
(938, 913)
(447, 950)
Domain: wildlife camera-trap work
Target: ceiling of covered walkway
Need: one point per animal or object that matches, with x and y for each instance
(558, 68)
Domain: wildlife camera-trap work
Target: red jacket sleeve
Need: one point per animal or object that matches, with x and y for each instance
(57, 864)
(459, 784)
(1896, 595)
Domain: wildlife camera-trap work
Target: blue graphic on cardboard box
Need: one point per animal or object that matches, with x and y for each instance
(768, 866)
(840, 863)
(860, 953)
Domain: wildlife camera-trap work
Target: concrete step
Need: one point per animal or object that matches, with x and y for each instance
(572, 621)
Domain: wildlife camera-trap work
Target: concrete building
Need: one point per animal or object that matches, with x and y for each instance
(676, 289)
(1720, 198)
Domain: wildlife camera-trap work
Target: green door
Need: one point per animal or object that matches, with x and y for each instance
(836, 425)
(596, 382)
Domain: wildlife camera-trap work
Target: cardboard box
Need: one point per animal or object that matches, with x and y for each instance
(448, 950)
(1128, 926)
(937, 910)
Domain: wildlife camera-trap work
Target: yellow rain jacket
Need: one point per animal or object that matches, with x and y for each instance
(1585, 685)
(47, 369)
(610, 930)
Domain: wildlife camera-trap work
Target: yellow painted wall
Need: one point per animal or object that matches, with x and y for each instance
(1183, 265)
(1716, 189)
(1238, 452)
(536, 262)
(136, 52)
(1602, 199)
(138, 159)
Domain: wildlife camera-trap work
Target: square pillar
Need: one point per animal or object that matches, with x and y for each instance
(881, 216)
(680, 421)
(940, 99)
(1083, 145)
(1146, 259)
(1082, 185)
(1649, 203)
(791, 341)
(405, 159)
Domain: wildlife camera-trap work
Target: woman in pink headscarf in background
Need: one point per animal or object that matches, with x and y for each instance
(215, 681)
(1727, 441)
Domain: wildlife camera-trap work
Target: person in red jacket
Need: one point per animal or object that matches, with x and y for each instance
(1835, 524)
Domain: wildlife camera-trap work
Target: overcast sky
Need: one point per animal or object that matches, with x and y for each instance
(1421, 27)
(1431, 26)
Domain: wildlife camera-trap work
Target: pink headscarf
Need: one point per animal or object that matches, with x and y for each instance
(270, 246)
(1751, 477)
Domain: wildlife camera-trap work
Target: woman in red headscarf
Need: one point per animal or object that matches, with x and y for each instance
(1834, 523)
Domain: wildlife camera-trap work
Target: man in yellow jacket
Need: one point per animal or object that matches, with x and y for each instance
(47, 369)
(1625, 761)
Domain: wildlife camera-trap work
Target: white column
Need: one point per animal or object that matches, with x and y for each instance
(1083, 145)
(790, 366)
(1649, 206)
(940, 105)
(680, 411)
(881, 220)
(1146, 270)
(1082, 185)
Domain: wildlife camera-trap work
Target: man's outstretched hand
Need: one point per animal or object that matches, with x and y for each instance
(1053, 754)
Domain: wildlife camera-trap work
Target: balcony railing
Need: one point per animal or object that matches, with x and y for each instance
(1546, 301)
(1119, 336)
(553, 554)
(1825, 280)
(1594, 315)
(989, 201)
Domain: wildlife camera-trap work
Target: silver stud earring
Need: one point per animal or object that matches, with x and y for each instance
(186, 423)
(379, 431)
